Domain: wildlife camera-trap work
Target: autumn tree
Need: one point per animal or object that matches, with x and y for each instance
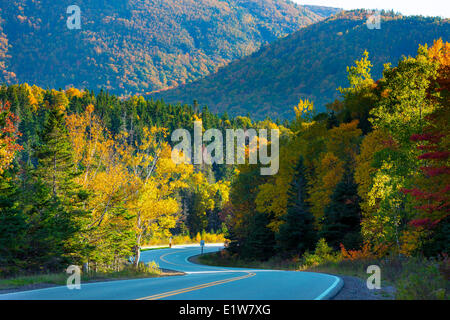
(53, 200)
(8, 136)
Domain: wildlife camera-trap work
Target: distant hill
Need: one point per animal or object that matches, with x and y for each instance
(136, 46)
(322, 11)
(310, 63)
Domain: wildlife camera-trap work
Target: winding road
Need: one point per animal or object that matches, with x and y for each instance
(200, 282)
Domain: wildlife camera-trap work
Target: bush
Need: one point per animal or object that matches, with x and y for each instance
(150, 267)
(323, 254)
(426, 283)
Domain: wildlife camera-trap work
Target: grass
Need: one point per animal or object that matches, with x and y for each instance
(22, 281)
(412, 277)
(218, 259)
(158, 248)
(147, 271)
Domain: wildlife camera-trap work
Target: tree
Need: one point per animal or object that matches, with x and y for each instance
(102, 172)
(341, 148)
(261, 239)
(341, 223)
(12, 220)
(156, 180)
(8, 136)
(431, 189)
(407, 98)
(360, 97)
(55, 205)
(297, 234)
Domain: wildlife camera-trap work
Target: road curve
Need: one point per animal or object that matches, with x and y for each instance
(199, 283)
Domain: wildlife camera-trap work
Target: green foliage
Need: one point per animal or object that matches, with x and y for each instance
(310, 64)
(136, 46)
(425, 283)
(322, 254)
(261, 240)
(297, 234)
(342, 219)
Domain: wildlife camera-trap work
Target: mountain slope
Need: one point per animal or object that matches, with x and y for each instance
(322, 11)
(310, 63)
(136, 46)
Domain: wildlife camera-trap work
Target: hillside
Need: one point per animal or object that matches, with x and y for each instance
(308, 64)
(136, 46)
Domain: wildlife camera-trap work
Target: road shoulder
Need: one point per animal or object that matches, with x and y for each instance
(36, 286)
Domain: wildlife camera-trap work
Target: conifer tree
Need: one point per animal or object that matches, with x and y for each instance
(55, 200)
(341, 222)
(297, 234)
(261, 239)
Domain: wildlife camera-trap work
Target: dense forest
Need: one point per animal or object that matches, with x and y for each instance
(136, 46)
(308, 64)
(371, 177)
(89, 178)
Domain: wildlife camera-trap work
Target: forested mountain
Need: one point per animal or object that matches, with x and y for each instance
(322, 11)
(136, 46)
(308, 64)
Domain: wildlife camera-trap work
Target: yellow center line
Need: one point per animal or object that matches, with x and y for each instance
(198, 287)
(164, 255)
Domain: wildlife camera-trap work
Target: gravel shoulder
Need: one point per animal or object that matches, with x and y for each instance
(356, 289)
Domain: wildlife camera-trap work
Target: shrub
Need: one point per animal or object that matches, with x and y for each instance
(323, 253)
(150, 267)
(426, 283)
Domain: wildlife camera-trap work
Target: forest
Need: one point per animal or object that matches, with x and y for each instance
(137, 46)
(308, 64)
(88, 178)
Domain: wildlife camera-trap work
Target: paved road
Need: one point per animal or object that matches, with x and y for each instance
(199, 283)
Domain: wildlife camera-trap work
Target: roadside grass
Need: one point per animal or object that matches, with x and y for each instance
(219, 259)
(158, 248)
(150, 270)
(23, 281)
(413, 278)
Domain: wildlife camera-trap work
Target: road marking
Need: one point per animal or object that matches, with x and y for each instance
(198, 287)
(320, 297)
(164, 255)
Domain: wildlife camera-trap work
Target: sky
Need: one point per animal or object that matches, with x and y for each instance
(406, 7)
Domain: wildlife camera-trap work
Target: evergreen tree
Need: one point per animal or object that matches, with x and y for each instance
(261, 240)
(332, 120)
(297, 234)
(12, 229)
(342, 217)
(54, 201)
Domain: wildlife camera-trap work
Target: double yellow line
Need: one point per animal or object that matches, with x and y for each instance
(198, 287)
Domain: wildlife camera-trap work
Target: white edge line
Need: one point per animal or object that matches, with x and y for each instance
(320, 297)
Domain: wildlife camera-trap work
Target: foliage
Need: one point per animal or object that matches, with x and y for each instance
(93, 181)
(297, 235)
(310, 64)
(342, 217)
(356, 173)
(136, 46)
(426, 283)
(322, 254)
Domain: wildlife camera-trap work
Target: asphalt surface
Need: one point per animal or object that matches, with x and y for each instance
(199, 283)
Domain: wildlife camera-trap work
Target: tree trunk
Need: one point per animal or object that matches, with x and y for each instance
(137, 255)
